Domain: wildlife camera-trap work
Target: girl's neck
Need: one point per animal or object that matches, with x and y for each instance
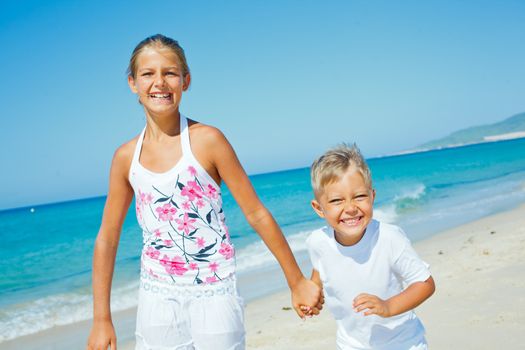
(163, 125)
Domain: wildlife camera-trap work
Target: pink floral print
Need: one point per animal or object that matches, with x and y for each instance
(184, 230)
(213, 266)
(211, 192)
(145, 198)
(226, 250)
(175, 266)
(166, 212)
(186, 224)
(152, 253)
(192, 171)
(201, 242)
(192, 191)
(211, 279)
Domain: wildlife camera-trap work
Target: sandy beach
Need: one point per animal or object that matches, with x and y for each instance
(479, 269)
(479, 302)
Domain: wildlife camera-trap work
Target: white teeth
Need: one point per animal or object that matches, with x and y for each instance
(160, 95)
(351, 221)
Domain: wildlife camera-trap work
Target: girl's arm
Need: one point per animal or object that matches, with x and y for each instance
(407, 300)
(224, 159)
(118, 200)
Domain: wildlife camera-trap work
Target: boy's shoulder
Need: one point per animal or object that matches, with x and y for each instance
(319, 235)
(390, 230)
(392, 237)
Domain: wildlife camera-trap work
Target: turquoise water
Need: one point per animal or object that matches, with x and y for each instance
(46, 252)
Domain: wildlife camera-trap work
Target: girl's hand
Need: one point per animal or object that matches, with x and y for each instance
(372, 305)
(306, 298)
(102, 334)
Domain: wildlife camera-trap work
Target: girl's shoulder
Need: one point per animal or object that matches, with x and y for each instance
(204, 135)
(123, 155)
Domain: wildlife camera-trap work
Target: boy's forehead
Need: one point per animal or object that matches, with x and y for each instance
(350, 180)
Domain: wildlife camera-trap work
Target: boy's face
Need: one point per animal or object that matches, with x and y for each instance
(346, 204)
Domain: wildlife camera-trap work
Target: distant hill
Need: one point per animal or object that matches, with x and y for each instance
(513, 127)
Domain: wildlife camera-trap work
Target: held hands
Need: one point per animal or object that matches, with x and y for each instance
(372, 305)
(307, 298)
(102, 334)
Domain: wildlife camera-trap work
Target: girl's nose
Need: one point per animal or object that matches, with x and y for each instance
(159, 80)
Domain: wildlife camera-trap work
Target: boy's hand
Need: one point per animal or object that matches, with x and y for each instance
(372, 304)
(306, 293)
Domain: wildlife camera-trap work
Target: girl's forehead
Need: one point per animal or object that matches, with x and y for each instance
(155, 55)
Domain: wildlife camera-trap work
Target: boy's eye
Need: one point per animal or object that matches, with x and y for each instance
(146, 74)
(172, 73)
(361, 197)
(335, 200)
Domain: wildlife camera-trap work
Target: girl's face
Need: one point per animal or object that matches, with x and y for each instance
(158, 81)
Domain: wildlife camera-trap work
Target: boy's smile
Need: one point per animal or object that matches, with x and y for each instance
(347, 206)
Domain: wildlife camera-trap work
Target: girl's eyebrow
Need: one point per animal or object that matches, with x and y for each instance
(165, 68)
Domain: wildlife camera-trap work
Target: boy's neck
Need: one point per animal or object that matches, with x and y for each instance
(348, 241)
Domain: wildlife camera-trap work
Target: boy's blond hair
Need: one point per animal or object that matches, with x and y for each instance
(334, 163)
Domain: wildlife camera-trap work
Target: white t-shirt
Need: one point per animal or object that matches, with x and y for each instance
(382, 263)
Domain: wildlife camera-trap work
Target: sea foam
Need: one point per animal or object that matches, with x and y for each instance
(59, 309)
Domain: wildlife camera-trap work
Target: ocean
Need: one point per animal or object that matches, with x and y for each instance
(46, 250)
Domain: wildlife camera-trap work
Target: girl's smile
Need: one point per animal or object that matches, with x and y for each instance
(161, 98)
(159, 82)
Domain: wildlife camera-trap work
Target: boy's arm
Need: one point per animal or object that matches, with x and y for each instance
(407, 300)
(316, 278)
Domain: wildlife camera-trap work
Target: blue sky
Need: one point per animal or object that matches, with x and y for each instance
(284, 80)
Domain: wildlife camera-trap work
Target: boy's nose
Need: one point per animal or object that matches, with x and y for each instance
(350, 207)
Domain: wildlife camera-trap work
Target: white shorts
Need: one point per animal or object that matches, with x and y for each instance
(199, 317)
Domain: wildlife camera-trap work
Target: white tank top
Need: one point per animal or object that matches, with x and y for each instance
(185, 238)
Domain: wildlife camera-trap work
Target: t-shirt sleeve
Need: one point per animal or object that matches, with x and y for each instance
(312, 252)
(407, 265)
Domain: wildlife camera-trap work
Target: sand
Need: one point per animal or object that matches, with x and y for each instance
(479, 269)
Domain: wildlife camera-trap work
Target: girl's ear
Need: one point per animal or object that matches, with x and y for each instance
(187, 81)
(317, 208)
(131, 83)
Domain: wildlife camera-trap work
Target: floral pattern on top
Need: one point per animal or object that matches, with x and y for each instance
(184, 230)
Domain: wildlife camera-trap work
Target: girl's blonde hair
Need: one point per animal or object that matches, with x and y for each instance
(160, 42)
(332, 165)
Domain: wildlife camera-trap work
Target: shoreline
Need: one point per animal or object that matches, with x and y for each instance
(477, 267)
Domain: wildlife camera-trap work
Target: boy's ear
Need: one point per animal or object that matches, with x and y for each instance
(317, 208)
(131, 83)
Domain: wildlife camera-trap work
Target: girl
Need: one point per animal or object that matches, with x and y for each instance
(188, 297)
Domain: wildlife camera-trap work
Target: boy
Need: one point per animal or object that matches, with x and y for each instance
(370, 274)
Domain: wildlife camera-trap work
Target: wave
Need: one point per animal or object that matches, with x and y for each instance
(59, 309)
(256, 255)
(66, 308)
(386, 214)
